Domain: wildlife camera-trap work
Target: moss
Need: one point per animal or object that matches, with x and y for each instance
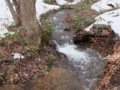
(98, 26)
(81, 21)
(45, 39)
(48, 28)
(50, 57)
(50, 1)
(1, 78)
(44, 16)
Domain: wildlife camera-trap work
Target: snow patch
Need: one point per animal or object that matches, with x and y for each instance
(111, 18)
(103, 5)
(5, 18)
(42, 7)
(64, 2)
(61, 2)
(17, 56)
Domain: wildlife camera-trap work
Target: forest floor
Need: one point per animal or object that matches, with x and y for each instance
(33, 65)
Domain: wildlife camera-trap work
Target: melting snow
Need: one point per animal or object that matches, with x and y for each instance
(42, 7)
(17, 56)
(5, 18)
(103, 5)
(61, 2)
(64, 2)
(111, 18)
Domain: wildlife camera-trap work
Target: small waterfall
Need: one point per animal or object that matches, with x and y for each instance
(86, 63)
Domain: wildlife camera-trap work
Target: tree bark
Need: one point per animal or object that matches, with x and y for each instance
(17, 10)
(13, 11)
(31, 30)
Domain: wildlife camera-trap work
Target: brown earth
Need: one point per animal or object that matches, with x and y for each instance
(34, 65)
(111, 78)
(101, 39)
(57, 79)
(85, 14)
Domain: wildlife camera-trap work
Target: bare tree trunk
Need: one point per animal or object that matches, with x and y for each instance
(11, 9)
(14, 12)
(17, 9)
(24, 14)
(31, 30)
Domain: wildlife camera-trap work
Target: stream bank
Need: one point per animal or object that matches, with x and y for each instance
(111, 78)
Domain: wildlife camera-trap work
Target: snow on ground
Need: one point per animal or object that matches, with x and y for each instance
(61, 2)
(111, 18)
(64, 2)
(103, 5)
(17, 55)
(5, 18)
(42, 7)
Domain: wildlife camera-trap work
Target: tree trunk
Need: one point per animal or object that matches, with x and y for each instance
(31, 30)
(16, 4)
(11, 9)
(14, 12)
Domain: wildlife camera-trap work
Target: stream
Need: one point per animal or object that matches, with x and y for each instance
(86, 63)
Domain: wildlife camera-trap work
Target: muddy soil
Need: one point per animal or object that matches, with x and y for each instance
(57, 79)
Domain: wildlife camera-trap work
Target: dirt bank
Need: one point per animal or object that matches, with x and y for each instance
(111, 78)
(101, 38)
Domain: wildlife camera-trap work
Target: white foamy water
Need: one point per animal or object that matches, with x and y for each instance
(75, 54)
(71, 51)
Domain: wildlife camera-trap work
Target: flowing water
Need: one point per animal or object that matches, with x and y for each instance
(87, 64)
